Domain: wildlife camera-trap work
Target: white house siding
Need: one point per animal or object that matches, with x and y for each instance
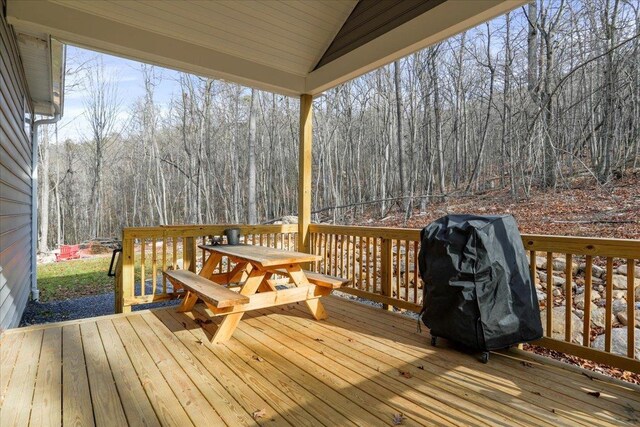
(15, 183)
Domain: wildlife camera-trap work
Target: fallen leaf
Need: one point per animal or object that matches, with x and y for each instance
(319, 339)
(421, 367)
(594, 393)
(527, 364)
(405, 374)
(537, 393)
(260, 413)
(350, 339)
(203, 322)
(257, 358)
(199, 342)
(398, 419)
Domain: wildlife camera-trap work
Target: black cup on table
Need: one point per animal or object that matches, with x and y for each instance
(232, 235)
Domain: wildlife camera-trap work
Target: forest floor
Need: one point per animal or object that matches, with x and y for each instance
(586, 209)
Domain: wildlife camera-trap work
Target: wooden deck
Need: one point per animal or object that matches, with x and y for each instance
(362, 366)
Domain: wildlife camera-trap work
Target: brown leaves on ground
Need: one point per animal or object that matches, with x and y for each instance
(257, 358)
(260, 413)
(607, 370)
(585, 209)
(397, 419)
(594, 393)
(405, 374)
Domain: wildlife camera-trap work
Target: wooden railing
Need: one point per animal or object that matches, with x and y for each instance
(148, 251)
(382, 266)
(382, 263)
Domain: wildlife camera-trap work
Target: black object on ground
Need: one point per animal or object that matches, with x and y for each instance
(477, 286)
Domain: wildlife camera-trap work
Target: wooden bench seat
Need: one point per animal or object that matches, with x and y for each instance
(208, 291)
(323, 280)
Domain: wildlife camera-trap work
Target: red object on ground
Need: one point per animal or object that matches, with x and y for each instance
(68, 252)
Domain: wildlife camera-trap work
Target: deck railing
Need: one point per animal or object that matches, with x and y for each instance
(148, 251)
(381, 264)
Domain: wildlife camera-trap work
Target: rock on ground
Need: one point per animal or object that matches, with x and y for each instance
(558, 324)
(618, 342)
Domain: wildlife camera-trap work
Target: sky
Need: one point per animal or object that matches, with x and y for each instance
(130, 86)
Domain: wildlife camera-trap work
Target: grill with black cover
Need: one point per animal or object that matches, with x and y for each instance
(477, 286)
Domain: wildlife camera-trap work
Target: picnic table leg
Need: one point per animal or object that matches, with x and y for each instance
(300, 279)
(231, 321)
(188, 303)
(210, 264)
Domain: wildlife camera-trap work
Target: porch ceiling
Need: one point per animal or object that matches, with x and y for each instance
(290, 47)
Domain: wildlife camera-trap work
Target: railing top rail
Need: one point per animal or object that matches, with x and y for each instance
(594, 246)
(194, 230)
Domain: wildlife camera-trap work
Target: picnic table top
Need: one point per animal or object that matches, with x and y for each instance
(262, 256)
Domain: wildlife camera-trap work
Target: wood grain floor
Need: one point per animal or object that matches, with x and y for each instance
(362, 366)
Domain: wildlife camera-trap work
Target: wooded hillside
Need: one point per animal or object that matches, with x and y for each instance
(528, 101)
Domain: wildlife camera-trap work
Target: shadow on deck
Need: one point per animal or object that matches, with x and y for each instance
(362, 366)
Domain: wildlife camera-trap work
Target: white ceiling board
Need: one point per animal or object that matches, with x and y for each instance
(227, 28)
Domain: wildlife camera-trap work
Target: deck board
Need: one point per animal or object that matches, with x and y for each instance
(505, 383)
(107, 407)
(157, 368)
(16, 406)
(77, 408)
(47, 396)
(535, 378)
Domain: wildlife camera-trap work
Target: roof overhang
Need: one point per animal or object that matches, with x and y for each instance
(43, 60)
(194, 41)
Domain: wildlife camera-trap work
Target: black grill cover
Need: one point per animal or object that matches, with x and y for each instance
(477, 287)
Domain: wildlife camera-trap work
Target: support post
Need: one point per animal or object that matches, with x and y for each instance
(387, 270)
(189, 254)
(304, 172)
(127, 272)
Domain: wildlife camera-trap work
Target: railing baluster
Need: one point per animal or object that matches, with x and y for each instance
(164, 264)
(143, 244)
(334, 255)
(397, 265)
(586, 333)
(360, 247)
(532, 266)
(387, 270)
(415, 272)
(174, 253)
(376, 285)
(608, 305)
(568, 310)
(154, 266)
(128, 272)
(367, 244)
(631, 318)
(550, 294)
(406, 270)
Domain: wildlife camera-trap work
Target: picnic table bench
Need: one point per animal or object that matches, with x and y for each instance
(248, 286)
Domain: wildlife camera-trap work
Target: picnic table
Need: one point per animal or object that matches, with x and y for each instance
(249, 285)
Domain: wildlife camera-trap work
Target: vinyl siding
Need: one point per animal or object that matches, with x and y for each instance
(15, 184)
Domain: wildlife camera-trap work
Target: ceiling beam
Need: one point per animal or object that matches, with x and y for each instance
(101, 34)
